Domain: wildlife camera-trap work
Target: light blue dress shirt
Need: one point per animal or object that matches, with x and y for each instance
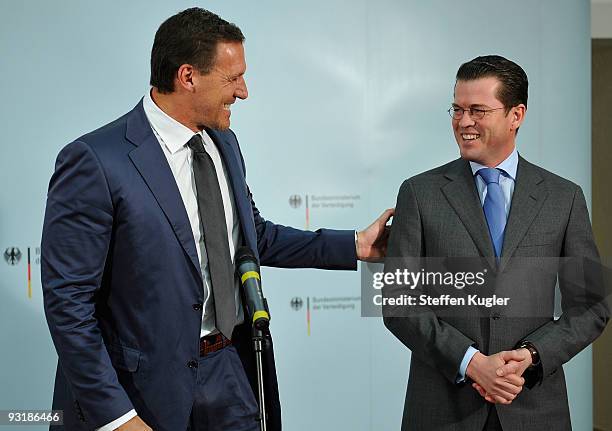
(506, 181)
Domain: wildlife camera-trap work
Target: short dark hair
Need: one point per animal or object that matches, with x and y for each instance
(514, 83)
(189, 37)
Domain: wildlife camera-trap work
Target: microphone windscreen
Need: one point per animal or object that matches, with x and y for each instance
(245, 254)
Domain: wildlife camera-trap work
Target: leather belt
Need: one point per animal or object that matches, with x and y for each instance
(212, 343)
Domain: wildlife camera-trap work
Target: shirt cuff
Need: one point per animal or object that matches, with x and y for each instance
(469, 354)
(118, 422)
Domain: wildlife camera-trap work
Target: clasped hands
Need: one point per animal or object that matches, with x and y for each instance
(498, 378)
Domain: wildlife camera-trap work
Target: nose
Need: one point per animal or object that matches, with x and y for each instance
(241, 89)
(466, 120)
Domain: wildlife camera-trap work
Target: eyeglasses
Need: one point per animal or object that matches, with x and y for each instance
(475, 113)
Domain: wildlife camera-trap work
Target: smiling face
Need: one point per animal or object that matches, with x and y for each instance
(214, 92)
(490, 140)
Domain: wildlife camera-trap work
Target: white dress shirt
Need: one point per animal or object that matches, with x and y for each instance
(173, 137)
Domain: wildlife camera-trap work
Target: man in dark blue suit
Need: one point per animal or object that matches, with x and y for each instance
(142, 222)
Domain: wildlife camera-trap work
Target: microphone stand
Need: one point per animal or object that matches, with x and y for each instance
(247, 267)
(258, 342)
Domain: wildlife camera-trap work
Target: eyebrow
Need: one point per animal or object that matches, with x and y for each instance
(475, 105)
(237, 75)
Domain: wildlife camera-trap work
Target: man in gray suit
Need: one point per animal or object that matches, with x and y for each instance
(514, 217)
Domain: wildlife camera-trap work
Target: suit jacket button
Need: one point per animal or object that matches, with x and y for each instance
(197, 307)
(192, 364)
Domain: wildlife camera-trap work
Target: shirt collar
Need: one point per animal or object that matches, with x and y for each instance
(173, 134)
(508, 166)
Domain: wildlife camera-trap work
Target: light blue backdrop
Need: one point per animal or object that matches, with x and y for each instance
(347, 99)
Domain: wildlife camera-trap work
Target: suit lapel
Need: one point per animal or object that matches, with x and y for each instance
(527, 200)
(462, 195)
(151, 163)
(237, 179)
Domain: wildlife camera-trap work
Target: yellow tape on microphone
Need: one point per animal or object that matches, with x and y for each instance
(259, 315)
(249, 274)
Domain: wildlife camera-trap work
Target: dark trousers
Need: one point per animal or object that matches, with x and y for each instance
(493, 423)
(224, 399)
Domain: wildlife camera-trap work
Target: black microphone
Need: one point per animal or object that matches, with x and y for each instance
(248, 271)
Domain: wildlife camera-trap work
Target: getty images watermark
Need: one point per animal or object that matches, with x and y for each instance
(479, 287)
(411, 280)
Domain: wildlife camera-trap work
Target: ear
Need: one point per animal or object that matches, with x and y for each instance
(518, 115)
(185, 77)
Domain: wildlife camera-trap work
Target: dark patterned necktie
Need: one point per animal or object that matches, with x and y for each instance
(212, 219)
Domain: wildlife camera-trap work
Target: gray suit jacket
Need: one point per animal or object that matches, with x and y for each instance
(439, 214)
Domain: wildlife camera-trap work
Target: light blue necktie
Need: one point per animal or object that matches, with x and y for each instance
(494, 208)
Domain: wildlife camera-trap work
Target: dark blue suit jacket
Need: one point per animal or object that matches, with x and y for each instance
(120, 276)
